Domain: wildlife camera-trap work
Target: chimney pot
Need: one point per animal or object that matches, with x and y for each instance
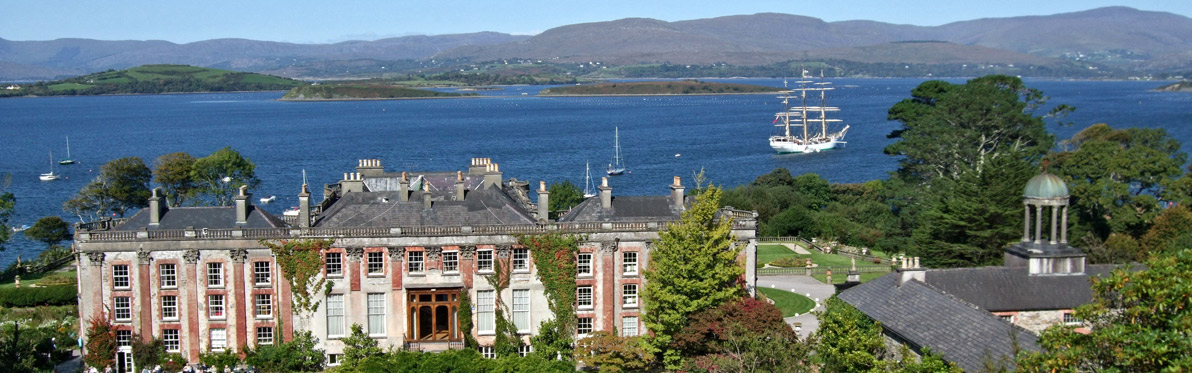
(606, 194)
(543, 202)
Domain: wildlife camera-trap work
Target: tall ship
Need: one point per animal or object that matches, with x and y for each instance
(811, 124)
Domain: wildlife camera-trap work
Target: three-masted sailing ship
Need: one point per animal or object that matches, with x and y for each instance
(811, 122)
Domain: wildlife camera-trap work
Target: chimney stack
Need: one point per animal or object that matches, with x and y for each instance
(242, 205)
(352, 183)
(370, 167)
(304, 208)
(403, 189)
(459, 186)
(677, 194)
(606, 194)
(543, 202)
(492, 175)
(910, 270)
(155, 207)
(426, 195)
(479, 166)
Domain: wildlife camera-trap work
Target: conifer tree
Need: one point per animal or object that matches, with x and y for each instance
(693, 267)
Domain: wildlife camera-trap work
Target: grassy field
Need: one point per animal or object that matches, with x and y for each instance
(49, 278)
(838, 278)
(790, 303)
(769, 252)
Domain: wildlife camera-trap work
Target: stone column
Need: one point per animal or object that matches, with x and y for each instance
(355, 299)
(143, 292)
(1064, 226)
(1055, 211)
(467, 265)
(189, 285)
(95, 259)
(1038, 223)
(1026, 223)
(353, 267)
(608, 286)
(239, 302)
(396, 269)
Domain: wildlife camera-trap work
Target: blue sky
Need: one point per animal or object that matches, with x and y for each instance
(306, 21)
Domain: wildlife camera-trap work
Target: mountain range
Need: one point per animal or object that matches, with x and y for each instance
(1120, 38)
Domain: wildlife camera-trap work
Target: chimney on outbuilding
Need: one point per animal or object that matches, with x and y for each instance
(156, 208)
(242, 204)
(426, 195)
(403, 188)
(459, 186)
(304, 207)
(677, 194)
(606, 194)
(543, 202)
(910, 270)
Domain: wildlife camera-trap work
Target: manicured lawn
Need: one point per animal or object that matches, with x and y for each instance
(769, 252)
(838, 278)
(49, 278)
(790, 303)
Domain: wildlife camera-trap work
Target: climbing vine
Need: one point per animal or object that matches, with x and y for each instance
(554, 260)
(506, 341)
(464, 315)
(301, 262)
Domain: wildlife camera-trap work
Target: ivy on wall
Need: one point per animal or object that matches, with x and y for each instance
(554, 260)
(301, 262)
(506, 341)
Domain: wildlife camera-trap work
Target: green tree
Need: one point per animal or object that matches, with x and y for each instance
(564, 195)
(122, 185)
(7, 205)
(173, 172)
(1138, 322)
(101, 344)
(218, 176)
(745, 335)
(50, 229)
(693, 267)
(228, 358)
(610, 353)
(359, 346)
(848, 340)
(297, 355)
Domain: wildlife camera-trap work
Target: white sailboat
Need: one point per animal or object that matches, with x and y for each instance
(618, 165)
(50, 176)
(813, 138)
(67, 160)
(588, 193)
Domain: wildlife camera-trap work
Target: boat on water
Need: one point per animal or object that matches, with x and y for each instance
(50, 176)
(21, 228)
(588, 193)
(67, 160)
(618, 165)
(268, 199)
(812, 120)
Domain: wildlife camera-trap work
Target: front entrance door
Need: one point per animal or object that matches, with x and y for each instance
(124, 360)
(431, 315)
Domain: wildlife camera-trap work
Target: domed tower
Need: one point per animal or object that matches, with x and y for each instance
(1050, 256)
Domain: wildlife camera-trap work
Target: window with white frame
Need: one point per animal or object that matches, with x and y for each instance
(263, 305)
(525, 350)
(120, 276)
(521, 310)
(1007, 318)
(521, 260)
(264, 335)
(487, 352)
(583, 297)
(583, 265)
(219, 339)
(1071, 319)
(629, 263)
(629, 295)
(333, 264)
(376, 314)
(450, 261)
(334, 359)
(123, 338)
(484, 260)
(376, 263)
(335, 315)
(262, 274)
(168, 274)
(215, 306)
(485, 316)
(629, 326)
(169, 307)
(169, 338)
(414, 261)
(583, 326)
(123, 308)
(215, 275)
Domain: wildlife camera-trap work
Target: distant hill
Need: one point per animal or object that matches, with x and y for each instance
(1120, 39)
(156, 79)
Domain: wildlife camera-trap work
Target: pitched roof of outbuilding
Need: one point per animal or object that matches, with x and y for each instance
(924, 316)
(1013, 289)
(211, 217)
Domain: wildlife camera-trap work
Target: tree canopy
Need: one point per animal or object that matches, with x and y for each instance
(122, 185)
(7, 205)
(218, 176)
(564, 195)
(50, 229)
(172, 172)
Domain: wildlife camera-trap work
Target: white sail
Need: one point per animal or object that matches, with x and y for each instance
(811, 120)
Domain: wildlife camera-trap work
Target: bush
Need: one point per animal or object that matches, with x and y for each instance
(39, 296)
(790, 262)
(220, 360)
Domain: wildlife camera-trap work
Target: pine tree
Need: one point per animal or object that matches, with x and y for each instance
(693, 267)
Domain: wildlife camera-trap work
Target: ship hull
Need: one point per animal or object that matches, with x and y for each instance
(785, 145)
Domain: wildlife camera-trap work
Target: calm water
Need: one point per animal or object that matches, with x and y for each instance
(532, 138)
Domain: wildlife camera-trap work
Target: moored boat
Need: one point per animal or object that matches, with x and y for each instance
(813, 120)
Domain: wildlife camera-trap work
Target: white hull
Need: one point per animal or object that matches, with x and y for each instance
(48, 177)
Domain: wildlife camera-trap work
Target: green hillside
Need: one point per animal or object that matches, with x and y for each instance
(359, 92)
(683, 87)
(150, 79)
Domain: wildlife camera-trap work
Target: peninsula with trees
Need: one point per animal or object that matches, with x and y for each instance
(154, 79)
(683, 87)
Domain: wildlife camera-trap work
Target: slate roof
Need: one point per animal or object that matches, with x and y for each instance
(1013, 289)
(487, 206)
(924, 316)
(213, 217)
(624, 208)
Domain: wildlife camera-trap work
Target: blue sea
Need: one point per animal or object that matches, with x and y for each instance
(532, 138)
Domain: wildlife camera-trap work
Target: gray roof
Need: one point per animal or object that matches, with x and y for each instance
(624, 208)
(924, 316)
(213, 217)
(487, 206)
(1013, 289)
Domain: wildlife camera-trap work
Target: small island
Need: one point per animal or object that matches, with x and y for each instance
(1184, 86)
(155, 79)
(670, 87)
(347, 92)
